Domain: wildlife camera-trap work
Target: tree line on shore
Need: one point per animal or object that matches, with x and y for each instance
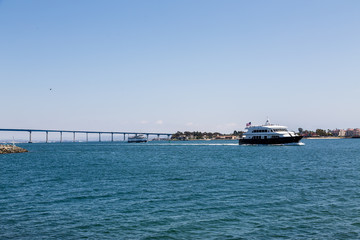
(187, 135)
(318, 132)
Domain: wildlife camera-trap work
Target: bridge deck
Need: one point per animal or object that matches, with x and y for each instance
(47, 131)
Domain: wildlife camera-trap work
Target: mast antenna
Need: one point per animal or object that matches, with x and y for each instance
(267, 121)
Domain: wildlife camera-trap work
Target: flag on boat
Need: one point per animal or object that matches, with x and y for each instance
(248, 124)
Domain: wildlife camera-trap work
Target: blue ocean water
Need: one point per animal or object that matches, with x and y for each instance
(181, 190)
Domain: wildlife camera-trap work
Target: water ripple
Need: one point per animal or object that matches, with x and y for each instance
(197, 190)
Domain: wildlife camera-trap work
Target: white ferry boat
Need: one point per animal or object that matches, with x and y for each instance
(137, 139)
(268, 134)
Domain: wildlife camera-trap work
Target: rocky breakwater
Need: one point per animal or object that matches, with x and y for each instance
(11, 149)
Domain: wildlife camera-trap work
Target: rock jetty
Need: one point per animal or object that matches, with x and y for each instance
(11, 149)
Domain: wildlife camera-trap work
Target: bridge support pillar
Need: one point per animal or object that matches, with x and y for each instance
(61, 137)
(73, 136)
(30, 141)
(124, 137)
(87, 137)
(47, 136)
(99, 137)
(112, 137)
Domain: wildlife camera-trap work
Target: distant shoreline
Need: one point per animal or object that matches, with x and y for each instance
(325, 137)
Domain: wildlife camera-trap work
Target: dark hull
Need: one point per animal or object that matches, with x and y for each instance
(137, 141)
(282, 140)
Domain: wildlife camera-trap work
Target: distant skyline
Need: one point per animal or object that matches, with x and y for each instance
(167, 66)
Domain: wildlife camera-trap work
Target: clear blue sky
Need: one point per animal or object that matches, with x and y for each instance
(159, 65)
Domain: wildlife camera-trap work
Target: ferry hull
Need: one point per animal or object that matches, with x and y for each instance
(280, 140)
(137, 141)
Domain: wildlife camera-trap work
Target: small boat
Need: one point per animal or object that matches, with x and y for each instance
(269, 134)
(137, 139)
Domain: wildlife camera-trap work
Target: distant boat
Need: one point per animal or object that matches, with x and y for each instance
(137, 139)
(268, 134)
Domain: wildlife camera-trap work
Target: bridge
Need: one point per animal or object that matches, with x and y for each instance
(30, 131)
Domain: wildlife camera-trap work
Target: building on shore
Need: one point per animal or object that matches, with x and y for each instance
(357, 132)
(338, 132)
(352, 132)
(348, 133)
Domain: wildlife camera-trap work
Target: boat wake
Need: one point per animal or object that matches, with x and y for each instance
(194, 144)
(294, 144)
